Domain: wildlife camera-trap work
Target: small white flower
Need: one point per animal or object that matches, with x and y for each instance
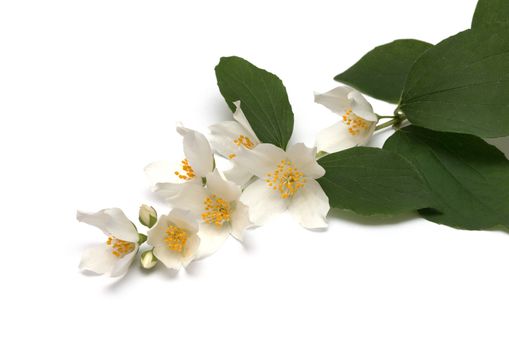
(357, 120)
(168, 179)
(286, 180)
(113, 257)
(229, 137)
(219, 208)
(175, 239)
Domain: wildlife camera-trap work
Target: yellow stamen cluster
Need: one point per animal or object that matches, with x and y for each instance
(286, 179)
(119, 247)
(188, 171)
(242, 141)
(217, 211)
(176, 239)
(355, 123)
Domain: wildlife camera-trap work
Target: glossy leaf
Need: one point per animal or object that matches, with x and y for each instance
(468, 178)
(263, 99)
(462, 85)
(372, 181)
(491, 15)
(382, 72)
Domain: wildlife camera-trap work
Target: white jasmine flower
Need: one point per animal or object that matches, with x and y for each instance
(219, 208)
(113, 257)
(169, 179)
(229, 137)
(175, 239)
(286, 180)
(357, 120)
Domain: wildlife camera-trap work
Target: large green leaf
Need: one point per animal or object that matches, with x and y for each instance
(372, 181)
(469, 178)
(382, 72)
(462, 85)
(263, 99)
(491, 14)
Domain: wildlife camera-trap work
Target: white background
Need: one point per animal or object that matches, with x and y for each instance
(90, 92)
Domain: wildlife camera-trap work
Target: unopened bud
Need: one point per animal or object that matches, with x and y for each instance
(147, 216)
(148, 259)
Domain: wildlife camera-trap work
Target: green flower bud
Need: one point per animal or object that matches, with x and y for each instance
(148, 259)
(147, 216)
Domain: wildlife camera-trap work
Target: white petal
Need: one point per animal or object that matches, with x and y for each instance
(239, 116)
(191, 251)
(261, 160)
(361, 107)
(161, 171)
(240, 220)
(184, 219)
(123, 264)
(263, 202)
(99, 259)
(337, 138)
(171, 259)
(112, 222)
(304, 159)
(238, 174)
(310, 206)
(190, 199)
(212, 238)
(336, 100)
(198, 152)
(223, 136)
(219, 186)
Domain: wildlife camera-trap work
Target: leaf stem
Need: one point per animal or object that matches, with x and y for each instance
(394, 122)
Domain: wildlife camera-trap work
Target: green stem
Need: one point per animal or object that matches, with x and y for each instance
(394, 122)
(385, 117)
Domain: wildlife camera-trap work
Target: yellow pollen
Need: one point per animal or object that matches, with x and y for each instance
(217, 211)
(119, 248)
(231, 156)
(188, 172)
(355, 123)
(286, 179)
(244, 141)
(176, 239)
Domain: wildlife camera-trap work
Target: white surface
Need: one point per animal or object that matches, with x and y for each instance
(89, 94)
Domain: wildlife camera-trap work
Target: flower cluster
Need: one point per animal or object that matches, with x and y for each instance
(209, 204)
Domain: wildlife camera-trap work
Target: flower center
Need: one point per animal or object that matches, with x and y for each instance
(188, 172)
(217, 211)
(286, 179)
(119, 248)
(355, 123)
(242, 141)
(176, 238)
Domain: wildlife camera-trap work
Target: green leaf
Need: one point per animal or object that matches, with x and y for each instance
(372, 181)
(382, 72)
(491, 14)
(462, 85)
(469, 178)
(263, 99)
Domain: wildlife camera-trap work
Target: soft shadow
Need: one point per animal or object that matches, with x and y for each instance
(89, 273)
(121, 281)
(195, 268)
(248, 243)
(376, 220)
(218, 110)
